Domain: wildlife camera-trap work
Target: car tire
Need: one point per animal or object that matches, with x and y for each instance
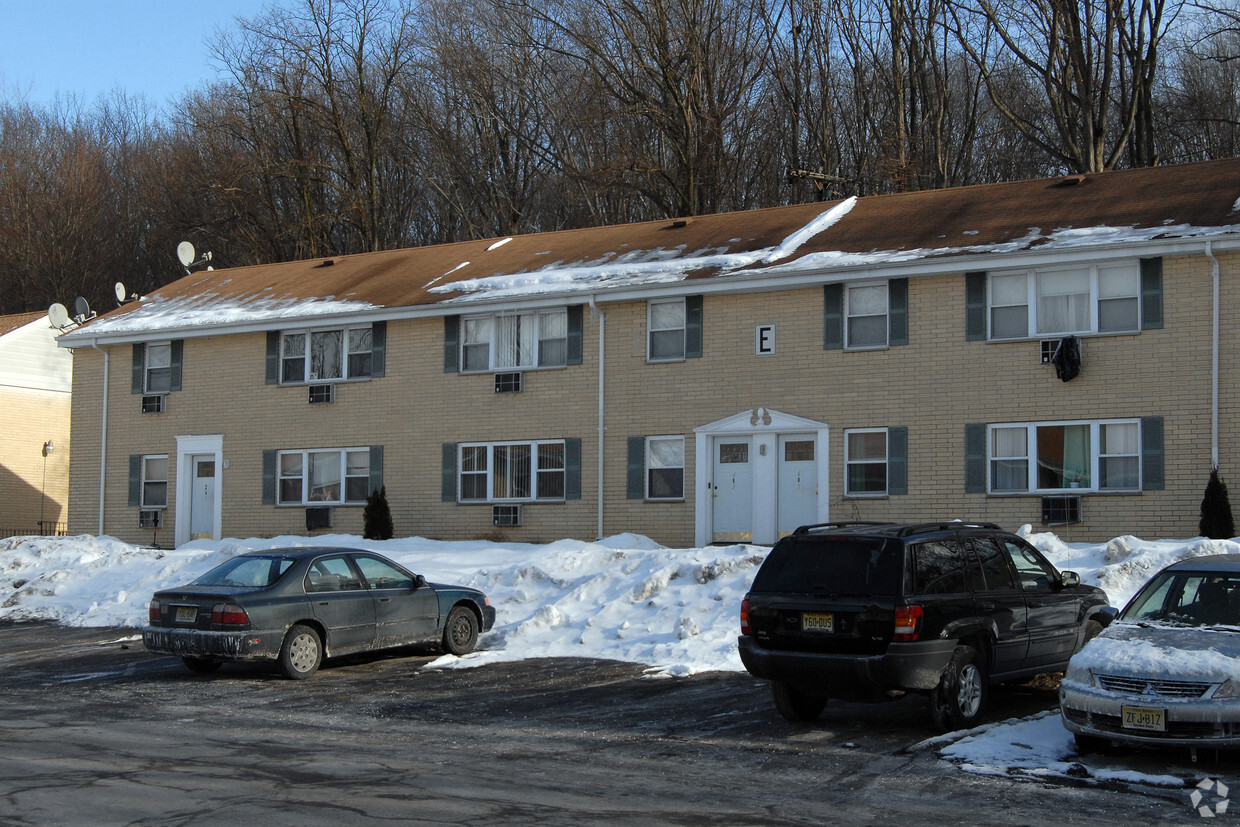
(795, 704)
(1086, 744)
(460, 633)
(202, 666)
(959, 699)
(301, 653)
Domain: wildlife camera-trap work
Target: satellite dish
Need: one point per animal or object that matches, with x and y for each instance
(81, 308)
(185, 252)
(121, 295)
(58, 315)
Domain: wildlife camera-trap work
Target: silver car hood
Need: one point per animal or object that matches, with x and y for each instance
(1161, 651)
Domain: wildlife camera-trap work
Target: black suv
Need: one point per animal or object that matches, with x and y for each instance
(866, 611)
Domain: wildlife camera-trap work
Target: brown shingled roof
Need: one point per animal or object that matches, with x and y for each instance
(10, 323)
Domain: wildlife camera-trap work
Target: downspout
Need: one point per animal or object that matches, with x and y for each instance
(1214, 356)
(597, 312)
(103, 437)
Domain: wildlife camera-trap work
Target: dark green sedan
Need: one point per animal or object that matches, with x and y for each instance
(299, 605)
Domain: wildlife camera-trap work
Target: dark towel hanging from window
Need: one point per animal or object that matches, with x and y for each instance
(1067, 358)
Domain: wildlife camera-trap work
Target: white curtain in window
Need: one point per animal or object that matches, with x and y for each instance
(514, 341)
(1063, 302)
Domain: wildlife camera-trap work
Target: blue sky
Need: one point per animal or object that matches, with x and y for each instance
(89, 48)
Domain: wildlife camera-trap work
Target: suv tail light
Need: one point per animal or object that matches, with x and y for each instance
(154, 614)
(229, 614)
(908, 623)
(745, 630)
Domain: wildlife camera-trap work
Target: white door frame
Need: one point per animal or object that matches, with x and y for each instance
(187, 448)
(764, 427)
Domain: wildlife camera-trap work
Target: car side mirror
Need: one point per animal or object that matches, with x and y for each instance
(1068, 579)
(418, 581)
(1106, 615)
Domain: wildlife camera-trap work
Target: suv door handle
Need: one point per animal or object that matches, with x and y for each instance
(986, 607)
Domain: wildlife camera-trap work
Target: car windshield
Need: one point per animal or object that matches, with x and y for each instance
(251, 571)
(1188, 599)
(831, 565)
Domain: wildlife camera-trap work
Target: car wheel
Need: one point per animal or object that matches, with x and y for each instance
(301, 653)
(203, 666)
(957, 702)
(1085, 744)
(794, 704)
(460, 633)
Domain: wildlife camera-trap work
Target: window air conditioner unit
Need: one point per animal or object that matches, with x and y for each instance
(509, 382)
(318, 517)
(148, 519)
(154, 404)
(322, 394)
(506, 515)
(1061, 510)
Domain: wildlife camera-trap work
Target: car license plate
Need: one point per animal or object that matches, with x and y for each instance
(1141, 717)
(186, 614)
(813, 622)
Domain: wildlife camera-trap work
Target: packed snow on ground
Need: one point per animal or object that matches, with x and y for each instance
(625, 598)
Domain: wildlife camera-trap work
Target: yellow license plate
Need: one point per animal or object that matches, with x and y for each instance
(817, 622)
(1142, 717)
(186, 614)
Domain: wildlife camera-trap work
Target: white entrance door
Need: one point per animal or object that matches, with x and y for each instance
(798, 482)
(202, 498)
(732, 491)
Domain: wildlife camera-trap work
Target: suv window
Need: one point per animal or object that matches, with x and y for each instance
(1030, 570)
(835, 565)
(939, 568)
(996, 572)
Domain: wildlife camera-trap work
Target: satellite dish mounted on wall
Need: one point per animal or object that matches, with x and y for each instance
(58, 316)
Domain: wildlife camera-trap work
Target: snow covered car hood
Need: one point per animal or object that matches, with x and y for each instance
(1154, 650)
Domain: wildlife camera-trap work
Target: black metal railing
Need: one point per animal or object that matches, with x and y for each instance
(46, 528)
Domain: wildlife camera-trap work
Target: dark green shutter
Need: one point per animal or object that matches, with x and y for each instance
(269, 477)
(1152, 455)
(273, 357)
(975, 306)
(378, 349)
(135, 479)
(376, 468)
(897, 460)
(576, 334)
(636, 482)
(448, 481)
(897, 311)
(1151, 294)
(833, 317)
(451, 346)
(572, 469)
(693, 327)
(139, 367)
(975, 458)
(178, 351)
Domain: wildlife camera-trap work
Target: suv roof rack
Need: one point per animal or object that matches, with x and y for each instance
(895, 529)
(921, 528)
(806, 529)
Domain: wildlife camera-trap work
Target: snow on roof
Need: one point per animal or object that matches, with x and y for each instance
(814, 241)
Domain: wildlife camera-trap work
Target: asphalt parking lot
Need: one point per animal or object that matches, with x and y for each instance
(96, 730)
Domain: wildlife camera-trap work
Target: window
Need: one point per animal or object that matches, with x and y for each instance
(508, 471)
(666, 323)
(939, 568)
(323, 477)
(537, 339)
(158, 368)
(326, 355)
(155, 482)
(665, 468)
(866, 315)
(865, 461)
(1093, 456)
(380, 574)
(1081, 300)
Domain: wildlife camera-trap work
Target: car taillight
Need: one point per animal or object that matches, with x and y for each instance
(745, 630)
(154, 613)
(229, 614)
(908, 619)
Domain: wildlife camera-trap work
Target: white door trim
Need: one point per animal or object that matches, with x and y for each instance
(187, 448)
(764, 426)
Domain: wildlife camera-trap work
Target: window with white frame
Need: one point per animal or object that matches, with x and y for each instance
(511, 471)
(865, 461)
(324, 477)
(325, 355)
(865, 309)
(665, 468)
(1064, 456)
(1059, 302)
(157, 368)
(515, 341)
(155, 481)
(665, 321)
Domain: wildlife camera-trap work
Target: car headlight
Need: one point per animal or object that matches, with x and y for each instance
(1078, 674)
(1227, 690)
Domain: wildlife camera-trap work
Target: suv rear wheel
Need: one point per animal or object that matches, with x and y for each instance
(957, 702)
(794, 704)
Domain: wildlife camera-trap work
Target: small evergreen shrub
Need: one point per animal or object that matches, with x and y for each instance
(1216, 521)
(377, 518)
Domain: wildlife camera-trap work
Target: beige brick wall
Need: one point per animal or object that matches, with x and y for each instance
(933, 386)
(33, 487)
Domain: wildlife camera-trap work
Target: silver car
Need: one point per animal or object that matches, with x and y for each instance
(1166, 669)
